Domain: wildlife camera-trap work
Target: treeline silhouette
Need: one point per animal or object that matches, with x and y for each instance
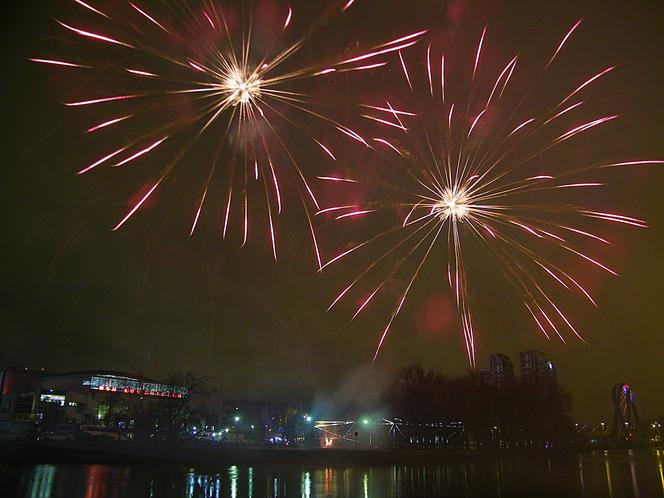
(509, 416)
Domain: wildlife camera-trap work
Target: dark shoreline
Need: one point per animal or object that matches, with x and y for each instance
(131, 453)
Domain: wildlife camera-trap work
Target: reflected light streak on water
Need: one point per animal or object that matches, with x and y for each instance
(616, 474)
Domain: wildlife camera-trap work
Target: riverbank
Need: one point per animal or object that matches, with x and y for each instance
(132, 452)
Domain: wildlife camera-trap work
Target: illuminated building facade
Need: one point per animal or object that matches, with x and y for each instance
(29, 398)
(536, 369)
(500, 371)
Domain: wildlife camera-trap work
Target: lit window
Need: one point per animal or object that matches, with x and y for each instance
(57, 399)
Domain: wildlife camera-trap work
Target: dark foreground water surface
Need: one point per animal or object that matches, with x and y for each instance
(612, 474)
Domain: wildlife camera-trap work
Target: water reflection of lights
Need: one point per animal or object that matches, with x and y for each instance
(612, 474)
(607, 468)
(42, 481)
(581, 480)
(250, 482)
(233, 474)
(202, 485)
(306, 485)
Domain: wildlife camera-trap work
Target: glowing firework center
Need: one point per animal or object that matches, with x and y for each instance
(454, 204)
(242, 88)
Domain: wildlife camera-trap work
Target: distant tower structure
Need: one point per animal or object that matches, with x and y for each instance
(536, 369)
(625, 415)
(500, 371)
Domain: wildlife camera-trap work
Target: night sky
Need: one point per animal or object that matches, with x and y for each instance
(147, 298)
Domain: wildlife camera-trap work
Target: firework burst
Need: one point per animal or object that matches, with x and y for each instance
(472, 169)
(180, 77)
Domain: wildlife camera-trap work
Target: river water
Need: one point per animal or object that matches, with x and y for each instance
(612, 474)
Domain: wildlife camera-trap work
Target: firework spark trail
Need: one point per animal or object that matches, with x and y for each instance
(461, 176)
(231, 90)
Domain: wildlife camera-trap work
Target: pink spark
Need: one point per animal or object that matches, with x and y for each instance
(553, 275)
(587, 234)
(310, 192)
(138, 72)
(617, 218)
(588, 258)
(442, 77)
(342, 255)
(562, 43)
(196, 67)
(385, 142)
(403, 38)
(325, 149)
(564, 111)
(336, 179)
(148, 16)
(336, 208)
(488, 230)
(276, 185)
(633, 163)
(378, 52)
(80, 2)
(429, 69)
(355, 214)
(588, 82)
(525, 123)
(325, 71)
(479, 51)
(95, 36)
(405, 71)
(343, 293)
(209, 20)
(538, 322)
(272, 236)
(541, 177)
(106, 123)
(391, 110)
(347, 6)
(527, 228)
(102, 160)
(387, 328)
(228, 212)
(475, 122)
(288, 17)
(586, 126)
(363, 68)
(410, 213)
(100, 101)
(551, 324)
(500, 77)
(351, 134)
(246, 221)
(579, 185)
(137, 206)
(565, 320)
(385, 122)
(198, 213)
(552, 235)
(142, 152)
(366, 302)
(59, 63)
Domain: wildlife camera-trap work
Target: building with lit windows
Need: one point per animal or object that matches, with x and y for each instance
(500, 371)
(536, 369)
(29, 398)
